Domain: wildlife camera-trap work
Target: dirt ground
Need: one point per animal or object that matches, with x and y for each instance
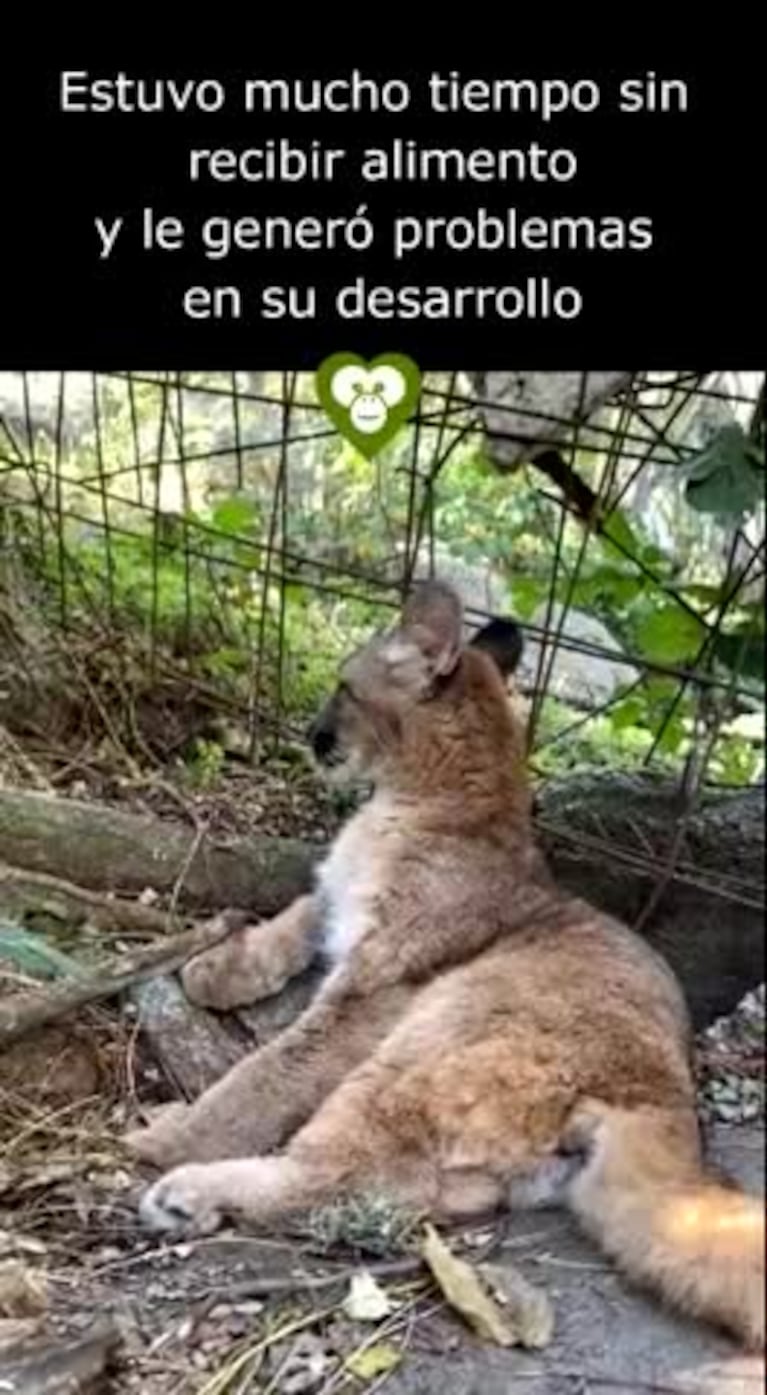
(238, 1313)
(92, 1305)
(269, 1312)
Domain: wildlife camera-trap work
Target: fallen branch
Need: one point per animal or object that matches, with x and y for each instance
(298, 1281)
(116, 851)
(272, 1285)
(24, 1013)
(104, 912)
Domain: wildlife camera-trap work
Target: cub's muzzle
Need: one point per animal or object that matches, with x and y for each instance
(323, 734)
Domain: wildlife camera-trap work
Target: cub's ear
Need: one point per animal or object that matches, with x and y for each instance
(502, 640)
(433, 620)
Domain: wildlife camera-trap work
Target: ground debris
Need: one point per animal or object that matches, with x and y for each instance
(43, 1366)
(731, 1064)
(459, 1281)
(527, 1308)
(366, 1301)
(23, 1289)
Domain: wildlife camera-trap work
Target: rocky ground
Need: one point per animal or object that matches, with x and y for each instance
(731, 1064)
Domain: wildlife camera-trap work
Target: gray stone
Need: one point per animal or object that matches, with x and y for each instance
(528, 412)
(580, 678)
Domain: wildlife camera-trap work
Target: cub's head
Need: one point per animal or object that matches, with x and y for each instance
(419, 686)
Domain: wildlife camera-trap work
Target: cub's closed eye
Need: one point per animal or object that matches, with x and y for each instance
(346, 692)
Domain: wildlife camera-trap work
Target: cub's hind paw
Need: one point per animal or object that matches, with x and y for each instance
(583, 1127)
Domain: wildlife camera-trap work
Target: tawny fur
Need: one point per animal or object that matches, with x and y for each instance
(480, 1037)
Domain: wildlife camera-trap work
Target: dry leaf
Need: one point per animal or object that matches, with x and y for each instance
(373, 1361)
(526, 1308)
(14, 1331)
(366, 1301)
(463, 1290)
(23, 1291)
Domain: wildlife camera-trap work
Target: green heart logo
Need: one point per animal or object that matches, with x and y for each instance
(368, 402)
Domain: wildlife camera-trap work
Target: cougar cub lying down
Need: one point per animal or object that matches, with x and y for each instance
(480, 1038)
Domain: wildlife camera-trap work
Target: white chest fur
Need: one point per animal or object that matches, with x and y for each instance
(351, 878)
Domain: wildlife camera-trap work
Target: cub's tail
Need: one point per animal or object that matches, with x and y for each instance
(644, 1197)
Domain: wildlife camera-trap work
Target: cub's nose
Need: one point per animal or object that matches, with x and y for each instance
(322, 738)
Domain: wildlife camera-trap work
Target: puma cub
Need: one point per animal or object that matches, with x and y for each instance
(480, 1038)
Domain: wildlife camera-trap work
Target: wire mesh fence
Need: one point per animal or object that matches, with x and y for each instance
(187, 556)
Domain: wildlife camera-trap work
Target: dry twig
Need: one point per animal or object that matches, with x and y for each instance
(27, 1012)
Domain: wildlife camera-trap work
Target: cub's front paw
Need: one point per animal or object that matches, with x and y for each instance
(243, 970)
(162, 1141)
(183, 1200)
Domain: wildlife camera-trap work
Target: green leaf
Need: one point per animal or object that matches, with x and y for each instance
(605, 583)
(673, 735)
(736, 761)
(654, 557)
(527, 592)
(728, 476)
(373, 1361)
(743, 652)
(617, 530)
(709, 596)
(660, 691)
(225, 661)
(33, 955)
(295, 593)
(628, 713)
(235, 515)
(670, 635)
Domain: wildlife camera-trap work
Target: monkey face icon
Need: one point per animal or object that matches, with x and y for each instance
(368, 395)
(368, 402)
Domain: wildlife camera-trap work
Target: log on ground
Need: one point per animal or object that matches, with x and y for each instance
(118, 851)
(608, 839)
